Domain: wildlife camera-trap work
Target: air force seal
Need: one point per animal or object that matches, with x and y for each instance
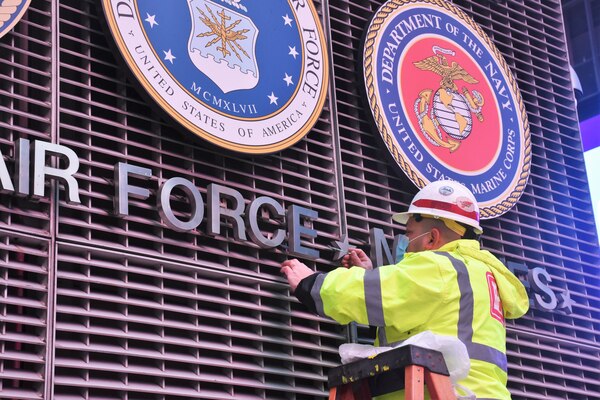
(11, 12)
(246, 75)
(446, 103)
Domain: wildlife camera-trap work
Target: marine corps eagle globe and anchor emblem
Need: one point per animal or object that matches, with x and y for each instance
(11, 12)
(447, 110)
(245, 75)
(445, 101)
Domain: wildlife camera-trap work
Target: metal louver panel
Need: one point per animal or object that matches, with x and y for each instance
(25, 107)
(105, 122)
(176, 315)
(135, 325)
(545, 367)
(23, 315)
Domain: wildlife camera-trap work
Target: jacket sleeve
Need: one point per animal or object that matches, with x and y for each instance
(403, 295)
(303, 292)
(343, 295)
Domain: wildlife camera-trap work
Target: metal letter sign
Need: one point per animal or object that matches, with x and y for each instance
(11, 12)
(445, 102)
(250, 76)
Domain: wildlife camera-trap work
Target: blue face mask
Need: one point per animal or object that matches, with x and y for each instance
(402, 245)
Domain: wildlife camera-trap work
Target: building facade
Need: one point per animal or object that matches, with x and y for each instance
(97, 305)
(582, 28)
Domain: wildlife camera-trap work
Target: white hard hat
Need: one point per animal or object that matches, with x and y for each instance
(444, 199)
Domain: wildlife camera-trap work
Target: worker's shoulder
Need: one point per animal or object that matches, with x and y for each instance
(432, 255)
(426, 268)
(427, 259)
(441, 259)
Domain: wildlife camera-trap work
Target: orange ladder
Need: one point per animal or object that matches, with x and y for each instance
(408, 367)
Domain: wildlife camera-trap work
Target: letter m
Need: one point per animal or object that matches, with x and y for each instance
(196, 89)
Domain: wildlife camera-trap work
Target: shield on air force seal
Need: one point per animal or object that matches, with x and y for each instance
(249, 76)
(222, 45)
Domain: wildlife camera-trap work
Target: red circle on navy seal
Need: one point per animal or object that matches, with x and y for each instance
(449, 104)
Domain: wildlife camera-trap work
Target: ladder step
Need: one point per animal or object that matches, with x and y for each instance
(408, 367)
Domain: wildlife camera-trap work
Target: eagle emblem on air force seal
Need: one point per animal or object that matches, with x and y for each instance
(11, 12)
(249, 76)
(445, 101)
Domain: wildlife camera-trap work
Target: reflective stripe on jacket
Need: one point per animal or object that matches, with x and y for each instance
(458, 290)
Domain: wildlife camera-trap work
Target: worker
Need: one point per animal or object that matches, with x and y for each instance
(444, 284)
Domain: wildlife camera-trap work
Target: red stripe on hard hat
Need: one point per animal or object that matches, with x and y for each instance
(441, 205)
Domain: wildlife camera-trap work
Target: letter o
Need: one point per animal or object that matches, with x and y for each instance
(166, 212)
(315, 47)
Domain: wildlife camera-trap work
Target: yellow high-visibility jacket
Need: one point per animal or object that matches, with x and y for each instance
(458, 290)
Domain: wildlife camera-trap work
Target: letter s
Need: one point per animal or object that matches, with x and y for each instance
(544, 296)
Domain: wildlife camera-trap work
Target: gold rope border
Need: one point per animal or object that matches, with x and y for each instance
(374, 27)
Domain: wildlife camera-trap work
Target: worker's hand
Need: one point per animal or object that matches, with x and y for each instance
(357, 258)
(295, 271)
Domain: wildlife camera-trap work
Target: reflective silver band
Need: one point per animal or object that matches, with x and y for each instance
(477, 351)
(373, 299)
(382, 336)
(315, 293)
